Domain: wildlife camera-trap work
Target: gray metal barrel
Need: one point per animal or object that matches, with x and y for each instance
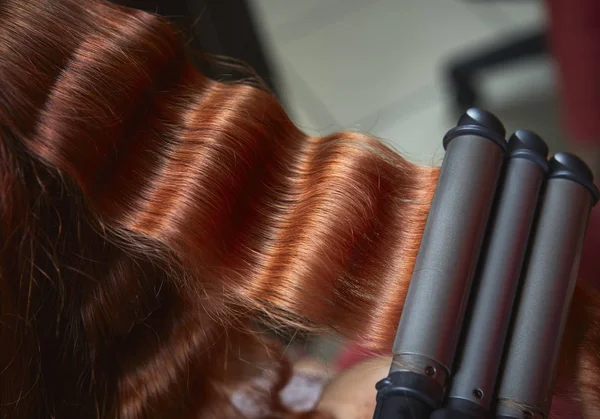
(431, 320)
(549, 279)
(499, 271)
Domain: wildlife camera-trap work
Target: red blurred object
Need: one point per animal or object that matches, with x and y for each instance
(353, 354)
(575, 43)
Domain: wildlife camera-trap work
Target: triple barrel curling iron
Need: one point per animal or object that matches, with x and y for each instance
(485, 313)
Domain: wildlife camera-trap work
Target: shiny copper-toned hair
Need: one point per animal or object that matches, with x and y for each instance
(153, 221)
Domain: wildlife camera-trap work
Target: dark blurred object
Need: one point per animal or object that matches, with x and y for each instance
(220, 27)
(462, 71)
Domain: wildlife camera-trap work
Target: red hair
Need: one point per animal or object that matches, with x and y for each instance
(152, 218)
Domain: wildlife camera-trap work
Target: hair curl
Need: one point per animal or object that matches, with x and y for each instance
(151, 217)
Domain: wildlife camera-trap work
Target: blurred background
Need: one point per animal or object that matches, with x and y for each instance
(385, 66)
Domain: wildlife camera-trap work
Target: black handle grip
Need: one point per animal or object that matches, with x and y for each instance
(451, 414)
(461, 409)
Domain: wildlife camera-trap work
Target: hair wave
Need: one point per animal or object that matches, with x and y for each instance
(151, 217)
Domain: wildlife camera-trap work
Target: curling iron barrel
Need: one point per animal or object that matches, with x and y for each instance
(548, 283)
(495, 286)
(431, 320)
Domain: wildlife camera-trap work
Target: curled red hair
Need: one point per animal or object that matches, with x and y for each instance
(151, 217)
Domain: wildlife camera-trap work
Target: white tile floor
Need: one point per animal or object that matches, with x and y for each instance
(376, 66)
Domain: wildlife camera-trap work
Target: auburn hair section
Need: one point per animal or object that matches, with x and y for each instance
(153, 221)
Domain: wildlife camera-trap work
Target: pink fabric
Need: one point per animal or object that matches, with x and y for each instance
(353, 354)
